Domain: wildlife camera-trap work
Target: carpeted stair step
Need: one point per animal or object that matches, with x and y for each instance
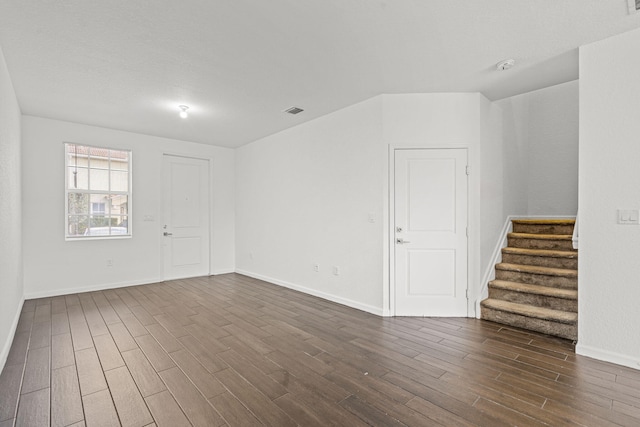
(548, 321)
(543, 226)
(536, 295)
(545, 276)
(541, 257)
(560, 242)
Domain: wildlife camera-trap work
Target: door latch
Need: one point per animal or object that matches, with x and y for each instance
(401, 241)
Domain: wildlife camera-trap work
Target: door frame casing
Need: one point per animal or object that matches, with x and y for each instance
(473, 215)
(210, 163)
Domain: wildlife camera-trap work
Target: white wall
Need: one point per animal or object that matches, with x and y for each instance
(541, 151)
(11, 279)
(609, 271)
(514, 154)
(305, 195)
(53, 266)
(493, 200)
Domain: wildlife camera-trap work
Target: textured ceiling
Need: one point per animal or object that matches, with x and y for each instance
(238, 63)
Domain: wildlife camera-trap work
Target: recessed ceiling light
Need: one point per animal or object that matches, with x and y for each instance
(183, 111)
(505, 65)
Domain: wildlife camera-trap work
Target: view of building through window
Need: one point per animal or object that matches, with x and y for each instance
(98, 190)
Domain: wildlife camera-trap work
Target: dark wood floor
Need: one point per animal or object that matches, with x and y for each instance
(231, 350)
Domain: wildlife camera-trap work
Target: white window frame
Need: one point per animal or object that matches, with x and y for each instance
(109, 192)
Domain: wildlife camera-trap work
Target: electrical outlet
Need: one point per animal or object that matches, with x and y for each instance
(628, 216)
(109, 262)
(316, 267)
(336, 270)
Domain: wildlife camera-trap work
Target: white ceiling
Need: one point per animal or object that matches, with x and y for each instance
(128, 64)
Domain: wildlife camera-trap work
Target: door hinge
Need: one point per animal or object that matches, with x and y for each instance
(468, 170)
(466, 293)
(467, 231)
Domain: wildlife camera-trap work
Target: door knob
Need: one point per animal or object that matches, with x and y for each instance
(401, 241)
(166, 233)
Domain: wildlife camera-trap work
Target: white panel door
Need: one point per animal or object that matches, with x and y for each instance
(430, 198)
(185, 217)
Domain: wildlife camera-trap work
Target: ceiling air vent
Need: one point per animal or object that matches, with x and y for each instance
(634, 6)
(293, 110)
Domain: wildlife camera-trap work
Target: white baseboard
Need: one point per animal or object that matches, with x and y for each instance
(608, 356)
(490, 272)
(12, 333)
(334, 298)
(223, 271)
(100, 287)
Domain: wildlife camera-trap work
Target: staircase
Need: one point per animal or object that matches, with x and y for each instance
(536, 284)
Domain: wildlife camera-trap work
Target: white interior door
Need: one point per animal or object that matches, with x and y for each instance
(430, 197)
(185, 217)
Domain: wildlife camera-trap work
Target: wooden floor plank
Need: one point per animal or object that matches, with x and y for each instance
(253, 375)
(134, 326)
(58, 305)
(97, 326)
(10, 381)
(37, 370)
(60, 323)
(208, 385)
(368, 413)
(233, 411)
(122, 337)
(108, 353)
(262, 407)
(33, 410)
(159, 359)
(205, 356)
(144, 375)
(79, 329)
(40, 335)
(165, 410)
(299, 412)
(233, 350)
(90, 375)
(18, 352)
(437, 415)
(43, 312)
(166, 340)
(66, 403)
(108, 313)
(194, 405)
(99, 410)
(132, 411)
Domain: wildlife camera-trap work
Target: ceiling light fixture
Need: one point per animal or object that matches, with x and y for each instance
(505, 65)
(183, 111)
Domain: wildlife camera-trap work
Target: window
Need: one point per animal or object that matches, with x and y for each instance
(98, 208)
(98, 192)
